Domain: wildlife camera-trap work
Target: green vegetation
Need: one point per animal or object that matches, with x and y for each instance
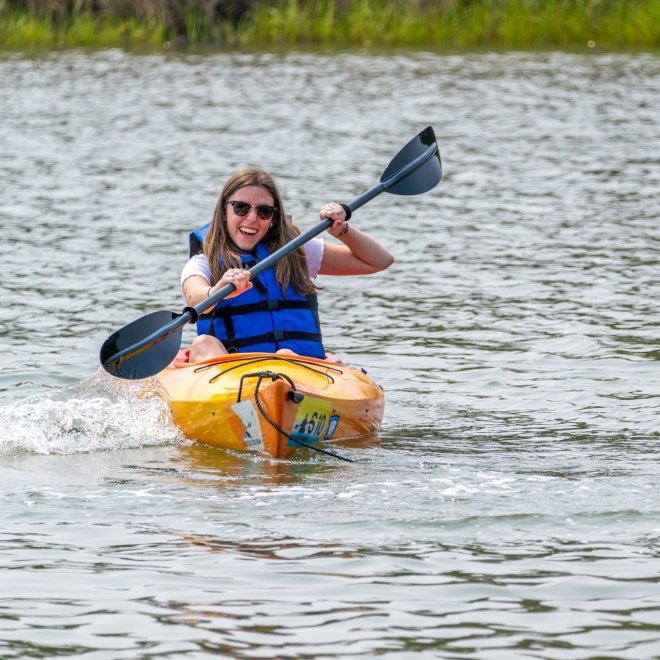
(429, 24)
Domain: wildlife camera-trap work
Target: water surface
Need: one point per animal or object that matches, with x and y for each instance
(509, 506)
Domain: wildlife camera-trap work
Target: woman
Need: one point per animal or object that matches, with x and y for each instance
(276, 312)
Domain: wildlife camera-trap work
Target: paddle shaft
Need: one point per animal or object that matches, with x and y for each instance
(191, 314)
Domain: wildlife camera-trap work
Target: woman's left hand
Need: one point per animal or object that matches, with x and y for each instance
(337, 214)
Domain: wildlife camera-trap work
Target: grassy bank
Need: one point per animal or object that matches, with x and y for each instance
(437, 24)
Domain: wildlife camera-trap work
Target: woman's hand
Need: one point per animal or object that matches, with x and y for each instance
(359, 254)
(236, 276)
(337, 214)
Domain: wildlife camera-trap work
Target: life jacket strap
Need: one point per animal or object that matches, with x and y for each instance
(273, 337)
(262, 306)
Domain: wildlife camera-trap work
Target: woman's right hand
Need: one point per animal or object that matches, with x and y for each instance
(238, 277)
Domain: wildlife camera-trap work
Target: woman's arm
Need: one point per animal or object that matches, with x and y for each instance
(359, 255)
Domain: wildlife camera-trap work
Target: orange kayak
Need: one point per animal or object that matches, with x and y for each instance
(269, 402)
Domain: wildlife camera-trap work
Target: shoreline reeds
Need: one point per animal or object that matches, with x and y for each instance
(433, 25)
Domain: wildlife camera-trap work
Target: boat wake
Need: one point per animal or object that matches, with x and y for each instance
(98, 413)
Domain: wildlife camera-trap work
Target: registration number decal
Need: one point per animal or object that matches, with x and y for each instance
(312, 420)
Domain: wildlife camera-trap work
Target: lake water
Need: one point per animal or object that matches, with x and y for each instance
(510, 506)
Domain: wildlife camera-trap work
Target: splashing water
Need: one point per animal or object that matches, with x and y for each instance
(98, 413)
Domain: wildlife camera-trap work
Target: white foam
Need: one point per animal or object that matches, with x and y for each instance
(99, 413)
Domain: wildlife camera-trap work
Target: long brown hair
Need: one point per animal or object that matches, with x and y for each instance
(219, 248)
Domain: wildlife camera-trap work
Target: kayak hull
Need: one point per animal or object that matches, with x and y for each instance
(273, 403)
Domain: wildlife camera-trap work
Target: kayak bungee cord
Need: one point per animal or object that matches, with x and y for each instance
(271, 358)
(263, 375)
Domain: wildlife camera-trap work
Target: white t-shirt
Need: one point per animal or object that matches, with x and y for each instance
(199, 264)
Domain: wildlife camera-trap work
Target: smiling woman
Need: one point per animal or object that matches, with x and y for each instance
(276, 311)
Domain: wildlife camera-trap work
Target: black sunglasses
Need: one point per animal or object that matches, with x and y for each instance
(241, 209)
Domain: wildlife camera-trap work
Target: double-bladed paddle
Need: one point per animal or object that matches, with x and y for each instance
(146, 346)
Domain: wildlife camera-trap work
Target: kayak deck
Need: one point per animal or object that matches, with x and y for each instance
(271, 402)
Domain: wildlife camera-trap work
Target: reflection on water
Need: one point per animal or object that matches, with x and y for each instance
(509, 504)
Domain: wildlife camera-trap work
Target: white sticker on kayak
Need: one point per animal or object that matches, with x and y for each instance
(332, 427)
(253, 438)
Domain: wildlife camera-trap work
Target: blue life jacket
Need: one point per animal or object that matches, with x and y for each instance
(264, 318)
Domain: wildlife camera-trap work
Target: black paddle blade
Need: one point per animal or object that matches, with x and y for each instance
(143, 362)
(422, 178)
